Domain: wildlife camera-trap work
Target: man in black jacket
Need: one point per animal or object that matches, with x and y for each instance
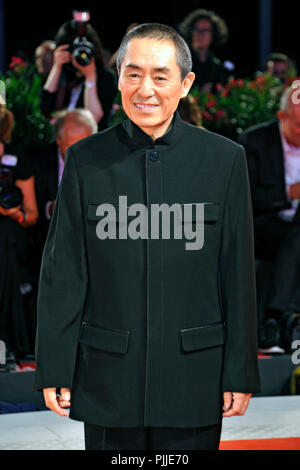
(273, 156)
(151, 339)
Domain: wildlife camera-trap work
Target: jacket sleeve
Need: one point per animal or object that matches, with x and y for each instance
(238, 287)
(62, 286)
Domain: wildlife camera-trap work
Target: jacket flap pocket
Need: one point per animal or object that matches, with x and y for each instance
(111, 340)
(190, 213)
(202, 337)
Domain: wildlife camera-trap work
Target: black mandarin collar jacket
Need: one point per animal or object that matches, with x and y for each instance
(144, 331)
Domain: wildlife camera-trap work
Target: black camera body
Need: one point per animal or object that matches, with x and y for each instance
(10, 194)
(82, 50)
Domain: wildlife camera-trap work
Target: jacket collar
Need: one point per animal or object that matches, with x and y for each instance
(139, 139)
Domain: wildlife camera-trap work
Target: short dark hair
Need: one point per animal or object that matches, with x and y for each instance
(160, 32)
(219, 26)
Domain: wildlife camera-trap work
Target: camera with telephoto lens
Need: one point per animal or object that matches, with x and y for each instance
(82, 50)
(10, 194)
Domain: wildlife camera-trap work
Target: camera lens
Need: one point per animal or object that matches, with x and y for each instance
(83, 51)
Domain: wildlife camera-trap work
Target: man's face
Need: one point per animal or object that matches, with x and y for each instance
(151, 85)
(44, 59)
(202, 35)
(278, 69)
(291, 124)
(71, 134)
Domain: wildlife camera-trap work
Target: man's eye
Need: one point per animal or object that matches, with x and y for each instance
(133, 75)
(160, 79)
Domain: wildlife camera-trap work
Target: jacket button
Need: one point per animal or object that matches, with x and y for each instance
(153, 156)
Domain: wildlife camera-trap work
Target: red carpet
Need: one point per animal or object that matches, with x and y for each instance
(285, 443)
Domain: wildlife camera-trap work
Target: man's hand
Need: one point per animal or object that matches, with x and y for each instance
(14, 213)
(294, 191)
(57, 403)
(88, 71)
(61, 56)
(235, 404)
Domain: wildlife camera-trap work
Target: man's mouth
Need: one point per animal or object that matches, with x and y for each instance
(145, 106)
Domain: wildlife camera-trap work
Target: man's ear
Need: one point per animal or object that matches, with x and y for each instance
(187, 83)
(119, 77)
(280, 115)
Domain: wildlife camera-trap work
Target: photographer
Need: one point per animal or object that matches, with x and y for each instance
(25, 213)
(18, 210)
(204, 31)
(88, 84)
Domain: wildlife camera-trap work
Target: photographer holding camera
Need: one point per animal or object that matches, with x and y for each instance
(78, 77)
(17, 194)
(18, 210)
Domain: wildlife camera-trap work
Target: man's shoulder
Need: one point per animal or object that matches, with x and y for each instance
(211, 140)
(96, 143)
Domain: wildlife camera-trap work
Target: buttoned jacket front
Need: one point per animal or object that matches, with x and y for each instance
(144, 331)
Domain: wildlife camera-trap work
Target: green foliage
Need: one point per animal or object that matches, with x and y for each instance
(117, 113)
(240, 104)
(23, 93)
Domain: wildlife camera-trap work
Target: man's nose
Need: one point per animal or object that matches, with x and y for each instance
(146, 87)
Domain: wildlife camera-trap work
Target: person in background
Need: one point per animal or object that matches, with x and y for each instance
(43, 57)
(273, 156)
(203, 31)
(18, 211)
(70, 85)
(190, 111)
(280, 66)
(70, 127)
(26, 213)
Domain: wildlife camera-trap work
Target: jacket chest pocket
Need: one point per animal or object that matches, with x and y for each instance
(112, 212)
(191, 212)
(192, 221)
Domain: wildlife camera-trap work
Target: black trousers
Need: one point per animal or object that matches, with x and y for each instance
(152, 438)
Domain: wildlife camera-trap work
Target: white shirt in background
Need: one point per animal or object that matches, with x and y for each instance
(292, 174)
(61, 164)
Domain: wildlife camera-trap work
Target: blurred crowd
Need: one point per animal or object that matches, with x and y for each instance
(78, 91)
